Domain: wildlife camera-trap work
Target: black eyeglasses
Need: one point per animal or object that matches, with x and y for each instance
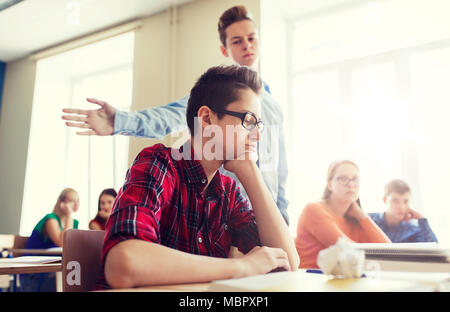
(249, 120)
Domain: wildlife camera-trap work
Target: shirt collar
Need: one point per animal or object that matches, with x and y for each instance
(194, 172)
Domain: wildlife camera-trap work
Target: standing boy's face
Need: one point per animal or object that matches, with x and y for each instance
(397, 204)
(242, 43)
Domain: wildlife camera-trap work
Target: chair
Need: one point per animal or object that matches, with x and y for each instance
(81, 259)
(20, 242)
(10, 241)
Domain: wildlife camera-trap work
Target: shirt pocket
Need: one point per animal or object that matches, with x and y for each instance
(221, 239)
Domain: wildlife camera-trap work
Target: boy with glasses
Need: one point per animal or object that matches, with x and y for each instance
(176, 216)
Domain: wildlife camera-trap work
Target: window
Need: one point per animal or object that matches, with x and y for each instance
(59, 158)
(366, 87)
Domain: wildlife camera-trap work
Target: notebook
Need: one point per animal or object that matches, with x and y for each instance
(425, 252)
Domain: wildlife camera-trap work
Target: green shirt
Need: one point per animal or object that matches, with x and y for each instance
(38, 240)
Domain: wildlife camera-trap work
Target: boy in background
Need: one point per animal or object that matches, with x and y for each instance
(401, 223)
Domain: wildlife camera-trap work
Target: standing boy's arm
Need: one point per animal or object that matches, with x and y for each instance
(272, 229)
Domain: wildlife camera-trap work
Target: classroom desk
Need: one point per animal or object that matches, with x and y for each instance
(195, 287)
(44, 252)
(301, 281)
(29, 268)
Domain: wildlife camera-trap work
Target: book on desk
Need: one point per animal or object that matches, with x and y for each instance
(418, 252)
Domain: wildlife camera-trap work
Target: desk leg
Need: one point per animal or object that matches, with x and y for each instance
(59, 281)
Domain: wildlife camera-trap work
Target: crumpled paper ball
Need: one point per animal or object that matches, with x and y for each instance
(341, 260)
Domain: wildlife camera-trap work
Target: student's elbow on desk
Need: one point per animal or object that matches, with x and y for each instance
(119, 267)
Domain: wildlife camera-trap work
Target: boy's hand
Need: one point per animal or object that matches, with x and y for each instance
(96, 121)
(68, 207)
(412, 214)
(242, 162)
(238, 165)
(261, 260)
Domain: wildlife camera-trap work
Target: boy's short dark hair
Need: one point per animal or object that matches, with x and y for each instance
(232, 15)
(396, 186)
(218, 87)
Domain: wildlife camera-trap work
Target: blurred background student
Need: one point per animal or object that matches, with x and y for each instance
(401, 223)
(337, 215)
(105, 204)
(48, 233)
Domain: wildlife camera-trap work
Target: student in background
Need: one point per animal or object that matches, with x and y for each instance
(176, 216)
(48, 233)
(105, 204)
(400, 222)
(337, 215)
(239, 39)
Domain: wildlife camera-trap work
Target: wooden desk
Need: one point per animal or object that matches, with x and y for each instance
(301, 281)
(44, 252)
(195, 287)
(28, 268)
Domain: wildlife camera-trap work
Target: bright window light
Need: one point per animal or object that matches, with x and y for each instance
(57, 157)
(367, 82)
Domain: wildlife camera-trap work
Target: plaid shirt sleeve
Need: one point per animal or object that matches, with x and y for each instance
(137, 209)
(243, 222)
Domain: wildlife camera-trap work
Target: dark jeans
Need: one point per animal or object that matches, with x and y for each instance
(45, 282)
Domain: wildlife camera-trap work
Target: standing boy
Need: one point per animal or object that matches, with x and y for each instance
(401, 223)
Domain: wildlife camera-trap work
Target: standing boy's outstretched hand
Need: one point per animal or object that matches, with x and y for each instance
(96, 121)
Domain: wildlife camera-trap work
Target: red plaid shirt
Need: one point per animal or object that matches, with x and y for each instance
(162, 202)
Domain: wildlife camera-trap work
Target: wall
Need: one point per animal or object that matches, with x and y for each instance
(14, 131)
